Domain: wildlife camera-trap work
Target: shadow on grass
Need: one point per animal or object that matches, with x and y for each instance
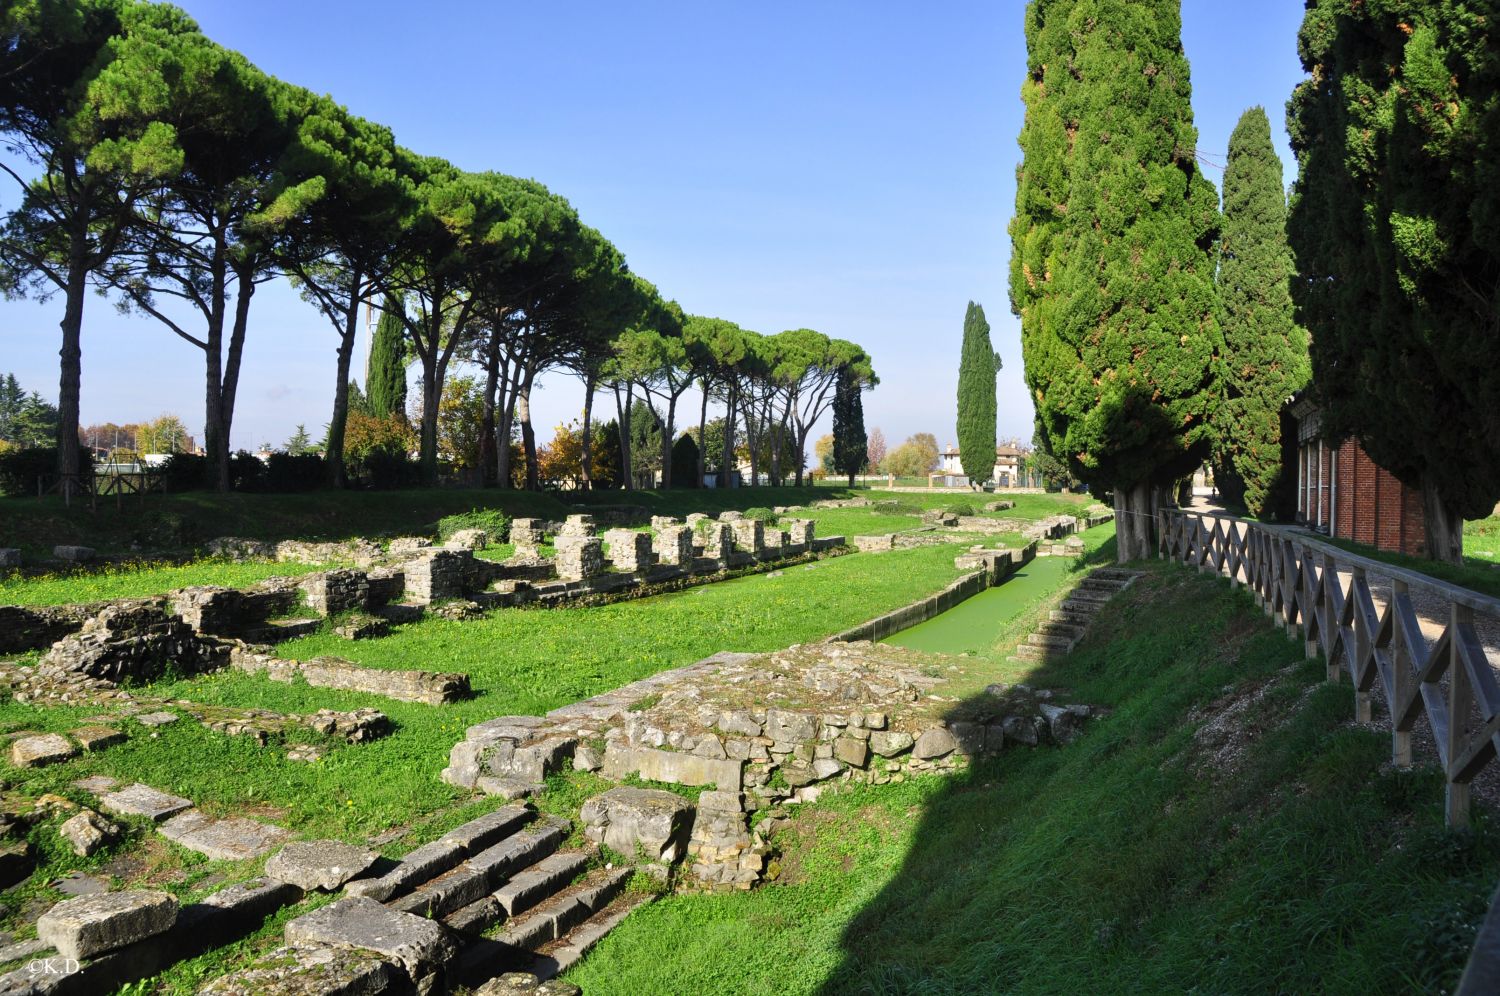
(1275, 853)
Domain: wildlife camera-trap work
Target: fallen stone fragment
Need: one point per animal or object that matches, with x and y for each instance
(319, 864)
(96, 784)
(587, 759)
(87, 832)
(233, 838)
(42, 748)
(73, 554)
(10, 556)
(143, 800)
(89, 925)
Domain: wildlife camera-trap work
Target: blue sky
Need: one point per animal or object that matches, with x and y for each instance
(845, 166)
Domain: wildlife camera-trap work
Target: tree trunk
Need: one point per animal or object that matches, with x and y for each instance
(69, 464)
(728, 467)
(528, 433)
(1136, 509)
(586, 474)
(489, 441)
(702, 436)
(244, 291)
(667, 431)
(334, 453)
(505, 412)
(427, 439)
(1442, 526)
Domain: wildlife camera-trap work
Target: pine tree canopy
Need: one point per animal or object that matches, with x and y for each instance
(977, 366)
(1112, 267)
(1265, 351)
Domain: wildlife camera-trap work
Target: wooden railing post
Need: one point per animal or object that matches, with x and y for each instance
(1328, 626)
(1460, 701)
(1402, 680)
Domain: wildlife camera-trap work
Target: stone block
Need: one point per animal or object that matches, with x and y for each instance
(739, 722)
(629, 550)
(851, 751)
(1022, 730)
(668, 766)
(41, 748)
(934, 743)
(9, 557)
(420, 946)
(437, 575)
(790, 727)
(89, 925)
(578, 525)
(95, 738)
(161, 718)
(874, 544)
(802, 531)
(74, 554)
(233, 838)
(418, 866)
(631, 820)
(718, 541)
(319, 864)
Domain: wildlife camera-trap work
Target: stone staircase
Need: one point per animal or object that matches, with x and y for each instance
(1066, 624)
(499, 894)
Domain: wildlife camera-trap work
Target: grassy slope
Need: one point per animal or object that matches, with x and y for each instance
(139, 580)
(1121, 863)
(1480, 570)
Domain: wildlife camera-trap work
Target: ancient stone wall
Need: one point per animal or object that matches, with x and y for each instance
(140, 640)
(629, 550)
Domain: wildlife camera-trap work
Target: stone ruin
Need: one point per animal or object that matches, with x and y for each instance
(759, 732)
(135, 640)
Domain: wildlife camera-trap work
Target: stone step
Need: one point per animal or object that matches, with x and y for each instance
(1069, 618)
(463, 896)
(1089, 595)
(1062, 643)
(529, 887)
(551, 920)
(277, 630)
(567, 951)
(1110, 585)
(431, 860)
(1071, 631)
(1080, 607)
(1028, 652)
(1115, 574)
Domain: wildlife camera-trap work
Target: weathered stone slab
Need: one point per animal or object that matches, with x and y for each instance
(525, 889)
(9, 557)
(319, 864)
(143, 800)
(42, 748)
(633, 821)
(93, 738)
(73, 554)
(790, 727)
(89, 925)
(418, 945)
(851, 751)
(162, 718)
(667, 766)
(318, 971)
(233, 838)
(491, 828)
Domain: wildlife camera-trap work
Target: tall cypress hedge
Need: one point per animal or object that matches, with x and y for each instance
(976, 397)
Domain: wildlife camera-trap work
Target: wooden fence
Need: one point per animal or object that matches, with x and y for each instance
(1298, 580)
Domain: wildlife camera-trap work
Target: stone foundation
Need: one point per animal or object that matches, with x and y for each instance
(673, 544)
(629, 550)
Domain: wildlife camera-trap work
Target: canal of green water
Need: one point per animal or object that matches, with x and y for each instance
(974, 626)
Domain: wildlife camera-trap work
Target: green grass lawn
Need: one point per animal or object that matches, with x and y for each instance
(1125, 862)
(140, 580)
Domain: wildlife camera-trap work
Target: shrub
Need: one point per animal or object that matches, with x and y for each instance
(185, 472)
(246, 472)
(762, 515)
(891, 506)
(493, 521)
(21, 467)
(961, 508)
(390, 470)
(285, 472)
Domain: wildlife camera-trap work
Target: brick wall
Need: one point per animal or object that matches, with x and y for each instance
(1368, 504)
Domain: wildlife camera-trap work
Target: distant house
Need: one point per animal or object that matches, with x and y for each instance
(1006, 473)
(1343, 493)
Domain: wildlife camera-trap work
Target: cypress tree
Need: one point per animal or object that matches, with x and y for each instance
(386, 392)
(977, 366)
(1112, 266)
(1395, 222)
(849, 443)
(1265, 350)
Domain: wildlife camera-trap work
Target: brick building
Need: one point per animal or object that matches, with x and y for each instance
(1343, 493)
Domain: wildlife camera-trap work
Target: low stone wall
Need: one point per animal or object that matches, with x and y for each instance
(335, 672)
(909, 615)
(25, 628)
